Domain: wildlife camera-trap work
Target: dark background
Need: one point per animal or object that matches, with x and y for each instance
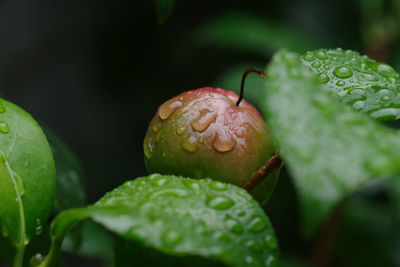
(96, 71)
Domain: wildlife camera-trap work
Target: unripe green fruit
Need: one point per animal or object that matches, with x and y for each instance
(203, 134)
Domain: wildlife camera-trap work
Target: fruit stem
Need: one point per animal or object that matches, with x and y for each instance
(273, 165)
(259, 72)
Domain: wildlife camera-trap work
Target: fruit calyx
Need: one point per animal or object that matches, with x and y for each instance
(250, 70)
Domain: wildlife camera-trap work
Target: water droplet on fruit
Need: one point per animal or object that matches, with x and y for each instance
(271, 241)
(190, 144)
(4, 127)
(2, 108)
(148, 149)
(223, 142)
(169, 107)
(204, 120)
(316, 64)
(4, 231)
(3, 156)
(39, 227)
(322, 78)
(257, 224)
(308, 57)
(156, 126)
(343, 72)
(217, 185)
(219, 202)
(171, 237)
(180, 130)
(254, 245)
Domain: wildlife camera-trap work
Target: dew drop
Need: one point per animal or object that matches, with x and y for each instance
(160, 182)
(254, 245)
(382, 68)
(4, 127)
(234, 226)
(36, 260)
(217, 186)
(271, 242)
(320, 54)
(204, 120)
(271, 261)
(342, 72)
(148, 149)
(156, 126)
(3, 156)
(257, 224)
(249, 259)
(219, 202)
(171, 237)
(39, 227)
(385, 98)
(335, 59)
(327, 67)
(386, 113)
(322, 78)
(190, 144)
(168, 108)
(223, 142)
(358, 105)
(316, 64)
(171, 192)
(340, 83)
(180, 130)
(308, 57)
(327, 62)
(191, 185)
(2, 109)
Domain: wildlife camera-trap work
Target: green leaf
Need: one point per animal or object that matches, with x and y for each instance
(249, 33)
(367, 85)
(164, 10)
(329, 149)
(27, 177)
(182, 218)
(70, 191)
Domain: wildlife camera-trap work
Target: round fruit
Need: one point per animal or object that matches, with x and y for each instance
(203, 134)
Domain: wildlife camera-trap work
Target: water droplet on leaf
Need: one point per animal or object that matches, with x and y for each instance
(219, 202)
(343, 72)
(4, 127)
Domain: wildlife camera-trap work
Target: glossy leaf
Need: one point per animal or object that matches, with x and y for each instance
(70, 191)
(181, 219)
(27, 176)
(249, 33)
(329, 149)
(368, 86)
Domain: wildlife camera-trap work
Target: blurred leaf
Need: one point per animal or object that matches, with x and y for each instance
(370, 221)
(164, 10)
(181, 218)
(70, 192)
(330, 150)
(231, 79)
(249, 33)
(366, 85)
(94, 242)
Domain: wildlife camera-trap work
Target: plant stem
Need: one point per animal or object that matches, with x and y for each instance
(273, 165)
(259, 72)
(19, 255)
